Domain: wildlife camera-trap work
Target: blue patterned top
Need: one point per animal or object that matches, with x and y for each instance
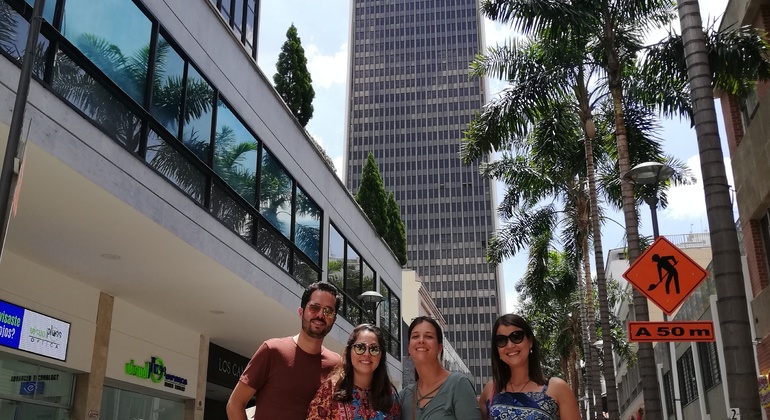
(523, 406)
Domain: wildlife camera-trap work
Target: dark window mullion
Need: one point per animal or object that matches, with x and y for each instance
(212, 146)
(183, 104)
(243, 21)
(254, 35)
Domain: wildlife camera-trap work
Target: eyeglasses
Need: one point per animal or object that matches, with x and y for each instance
(360, 349)
(515, 337)
(314, 308)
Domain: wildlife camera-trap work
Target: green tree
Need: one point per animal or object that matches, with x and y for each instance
(292, 78)
(372, 198)
(396, 236)
(612, 33)
(728, 273)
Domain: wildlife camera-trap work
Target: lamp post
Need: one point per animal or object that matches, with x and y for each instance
(368, 298)
(653, 173)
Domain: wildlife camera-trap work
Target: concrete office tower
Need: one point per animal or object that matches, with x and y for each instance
(409, 101)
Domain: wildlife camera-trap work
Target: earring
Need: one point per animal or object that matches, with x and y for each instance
(530, 351)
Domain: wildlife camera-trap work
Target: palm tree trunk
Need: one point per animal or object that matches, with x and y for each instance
(592, 359)
(645, 354)
(731, 296)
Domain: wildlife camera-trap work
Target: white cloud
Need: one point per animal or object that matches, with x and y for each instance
(496, 34)
(710, 10)
(687, 202)
(327, 70)
(338, 162)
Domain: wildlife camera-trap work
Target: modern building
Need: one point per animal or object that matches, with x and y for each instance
(170, 213)
(748, 140)
(409, 100)
(418, 302)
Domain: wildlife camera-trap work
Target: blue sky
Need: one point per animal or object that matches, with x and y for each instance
(323, 29)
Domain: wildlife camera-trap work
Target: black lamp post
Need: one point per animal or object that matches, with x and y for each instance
(371, 297)
(653, 173)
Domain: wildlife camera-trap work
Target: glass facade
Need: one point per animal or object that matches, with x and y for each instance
(31, 391)
(410, 99)
(120, 404)
(178, 123)
(241, 16)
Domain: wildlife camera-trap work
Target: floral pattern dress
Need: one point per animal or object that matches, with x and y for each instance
(523, 406)
(325, 407)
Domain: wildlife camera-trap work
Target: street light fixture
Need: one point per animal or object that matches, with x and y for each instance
(371, 297)
(654, 173)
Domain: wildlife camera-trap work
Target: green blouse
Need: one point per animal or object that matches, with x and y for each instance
(455, 400)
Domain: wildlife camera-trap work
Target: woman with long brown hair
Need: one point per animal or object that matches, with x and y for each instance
(359, 388)
(519, 390)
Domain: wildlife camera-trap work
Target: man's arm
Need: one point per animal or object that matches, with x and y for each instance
(236, 405)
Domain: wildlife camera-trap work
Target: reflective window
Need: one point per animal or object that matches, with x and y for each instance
(34, 383)
(307, 226)
(48, 9)
(196, 133)
(390, 320)
(119, 403)
(304, 273)
(273, 247)
(251, 14)
(175, 167)
(231, 213)
(167, 86)
(80, 89)
(352, 285)
(238, 17)
(275, 192)
(13, 38)
(235, 153)
(115, 36)
(336, 263)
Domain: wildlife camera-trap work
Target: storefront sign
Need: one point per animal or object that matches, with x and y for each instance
(764, 391)
(225, 367)
(34, 332)
(155, 371)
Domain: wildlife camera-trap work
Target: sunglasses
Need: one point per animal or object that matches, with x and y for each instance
(360, 349)
(515, 337)
(314, 308)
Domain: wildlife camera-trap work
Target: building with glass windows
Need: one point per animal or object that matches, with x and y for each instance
(170, 213)
(409, 100)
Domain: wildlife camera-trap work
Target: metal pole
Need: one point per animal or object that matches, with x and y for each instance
(652, 201)
(8, 171)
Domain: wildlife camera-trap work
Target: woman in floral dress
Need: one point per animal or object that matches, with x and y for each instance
(360, 388)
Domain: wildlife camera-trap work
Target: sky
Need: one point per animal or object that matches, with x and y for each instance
(323, 28)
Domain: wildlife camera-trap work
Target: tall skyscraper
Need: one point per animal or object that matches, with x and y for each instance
(409, 100)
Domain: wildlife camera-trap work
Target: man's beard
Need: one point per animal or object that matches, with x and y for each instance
(312, 331)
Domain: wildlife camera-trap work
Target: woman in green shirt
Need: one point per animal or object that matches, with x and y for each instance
(437, 394)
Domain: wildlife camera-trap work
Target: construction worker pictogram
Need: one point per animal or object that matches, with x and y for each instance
(664, 262)
(671, 273)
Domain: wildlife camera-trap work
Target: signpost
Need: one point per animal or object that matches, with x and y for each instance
(667, 277)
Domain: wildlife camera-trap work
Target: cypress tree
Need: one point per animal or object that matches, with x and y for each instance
(292, 79)
(396, 237)
(371, 196)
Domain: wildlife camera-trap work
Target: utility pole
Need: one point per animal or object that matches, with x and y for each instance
(13, 152)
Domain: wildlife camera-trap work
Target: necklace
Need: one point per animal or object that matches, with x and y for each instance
(523, 386)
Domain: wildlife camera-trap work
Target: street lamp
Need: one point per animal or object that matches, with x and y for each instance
(653, 173)
(371, 297)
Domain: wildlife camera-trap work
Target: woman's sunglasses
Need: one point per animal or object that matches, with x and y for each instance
(515, 337)
(360, 349)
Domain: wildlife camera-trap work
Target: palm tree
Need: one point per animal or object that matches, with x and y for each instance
(731, 303)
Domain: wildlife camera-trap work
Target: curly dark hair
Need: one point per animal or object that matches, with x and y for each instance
(501, 372)
(380, 395)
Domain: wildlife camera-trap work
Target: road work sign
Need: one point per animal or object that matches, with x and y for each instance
(639, 331)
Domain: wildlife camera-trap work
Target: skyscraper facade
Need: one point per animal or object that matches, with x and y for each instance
(409, 100)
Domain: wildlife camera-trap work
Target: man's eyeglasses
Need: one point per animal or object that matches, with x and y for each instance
(360, 349)
(314, 308)
(515, 337)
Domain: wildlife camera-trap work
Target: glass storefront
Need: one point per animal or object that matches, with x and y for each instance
(32, 391)
(119, 404)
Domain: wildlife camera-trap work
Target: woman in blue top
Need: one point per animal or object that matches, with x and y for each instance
(519, 390)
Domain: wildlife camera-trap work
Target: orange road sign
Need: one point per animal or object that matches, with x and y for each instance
(639, 331)
(665, 275)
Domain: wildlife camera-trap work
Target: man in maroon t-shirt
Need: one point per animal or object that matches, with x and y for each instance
(285, 373)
